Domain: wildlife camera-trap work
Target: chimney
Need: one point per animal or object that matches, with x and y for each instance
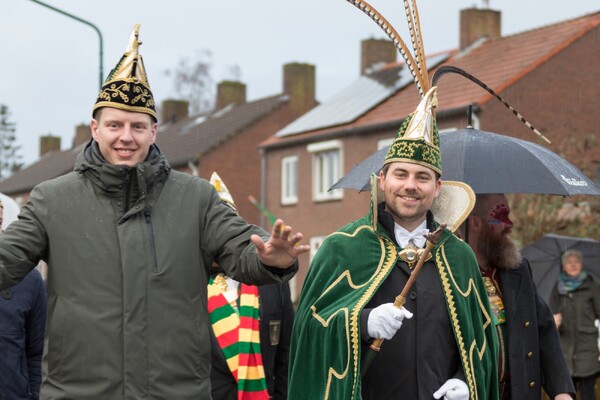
(229, 92)
(83, 134)
(49, 143)
(174, 110)
(478, 23)
(376, 51)
(299, 85)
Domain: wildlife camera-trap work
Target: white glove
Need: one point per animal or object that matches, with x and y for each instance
(385, 320)
(453, 389)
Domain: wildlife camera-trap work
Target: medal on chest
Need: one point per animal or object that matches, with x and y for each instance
(495, 297)
(411, 255)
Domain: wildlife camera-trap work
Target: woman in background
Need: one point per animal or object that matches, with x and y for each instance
(575, 303)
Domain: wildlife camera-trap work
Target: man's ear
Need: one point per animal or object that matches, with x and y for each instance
(474, 222)
(154, 129)
(94, 128)
(438, 188)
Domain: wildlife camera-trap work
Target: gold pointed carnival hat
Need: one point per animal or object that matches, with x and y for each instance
(222, 190)
(126, 87)
(417, 140)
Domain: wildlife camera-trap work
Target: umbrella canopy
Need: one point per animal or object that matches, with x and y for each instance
(355, 179)
(491, 163)
(11, 210)
(544, 256)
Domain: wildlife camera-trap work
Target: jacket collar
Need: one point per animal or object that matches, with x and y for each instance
(387, 222)
(144, 181)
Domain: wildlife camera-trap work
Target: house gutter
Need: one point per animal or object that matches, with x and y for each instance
(263, 183)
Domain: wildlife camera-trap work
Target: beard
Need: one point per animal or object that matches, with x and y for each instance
(500, 250)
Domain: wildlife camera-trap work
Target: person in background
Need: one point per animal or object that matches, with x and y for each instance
(530, 356)
(251, 330)
(22, 324)
(128, 242)
(575, 302)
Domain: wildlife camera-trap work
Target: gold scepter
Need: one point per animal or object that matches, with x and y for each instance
(432, 240)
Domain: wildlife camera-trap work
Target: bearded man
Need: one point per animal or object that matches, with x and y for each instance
(530, 355)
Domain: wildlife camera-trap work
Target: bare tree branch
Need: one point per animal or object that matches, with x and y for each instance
(193, 82)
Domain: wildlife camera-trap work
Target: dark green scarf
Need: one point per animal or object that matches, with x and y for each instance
(568, 283)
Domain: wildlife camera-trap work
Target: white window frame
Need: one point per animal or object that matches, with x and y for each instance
(448, 129)
(315, 243)
(288, 198)
(294, 295)
(384, 142)
(320, 188)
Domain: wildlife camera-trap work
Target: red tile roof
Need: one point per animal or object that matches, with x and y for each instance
(498, 62)
(503, 61)
(195, 136)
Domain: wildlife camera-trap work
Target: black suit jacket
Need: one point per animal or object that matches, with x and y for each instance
(535, 355)
(276, 310)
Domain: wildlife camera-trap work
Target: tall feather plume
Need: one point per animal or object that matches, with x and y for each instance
(416, 68)
(451, 69)
(417, 64)
(414, 27)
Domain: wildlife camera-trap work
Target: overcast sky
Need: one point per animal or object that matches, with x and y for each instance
(49, 63)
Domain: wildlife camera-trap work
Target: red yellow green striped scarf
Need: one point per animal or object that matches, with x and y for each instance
(239, 337)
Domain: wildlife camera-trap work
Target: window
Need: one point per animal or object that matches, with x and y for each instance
(315, 243)
(294, 293)
(384, 143)
(289, 180)
(447, 130)
(327, 167)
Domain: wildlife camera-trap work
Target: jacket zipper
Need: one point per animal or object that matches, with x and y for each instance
(126, 194)
(151, 240)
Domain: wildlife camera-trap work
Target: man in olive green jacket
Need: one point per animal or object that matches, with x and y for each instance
(127, 241)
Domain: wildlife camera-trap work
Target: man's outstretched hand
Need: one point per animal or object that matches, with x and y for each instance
(282, 249)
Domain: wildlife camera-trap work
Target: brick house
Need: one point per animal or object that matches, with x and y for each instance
(223, 140)
(549, 74)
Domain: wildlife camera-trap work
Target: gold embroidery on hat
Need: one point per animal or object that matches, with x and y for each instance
(127, 86)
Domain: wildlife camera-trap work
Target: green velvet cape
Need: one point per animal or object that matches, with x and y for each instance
(347, 270)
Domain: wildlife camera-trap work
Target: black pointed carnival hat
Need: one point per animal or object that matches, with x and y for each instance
(126, 87)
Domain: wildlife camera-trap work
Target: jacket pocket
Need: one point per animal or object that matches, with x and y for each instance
(151, 241)
(13, 367)
(56, 338)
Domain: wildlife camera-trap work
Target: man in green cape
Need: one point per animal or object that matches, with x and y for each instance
(443, 344)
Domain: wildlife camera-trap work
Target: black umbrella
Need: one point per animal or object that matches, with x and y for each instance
(545, 253)
(491, 163)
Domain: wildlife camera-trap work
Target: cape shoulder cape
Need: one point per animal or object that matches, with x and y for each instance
(346, 271)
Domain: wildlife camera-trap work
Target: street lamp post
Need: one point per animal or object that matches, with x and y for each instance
(83, 21)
